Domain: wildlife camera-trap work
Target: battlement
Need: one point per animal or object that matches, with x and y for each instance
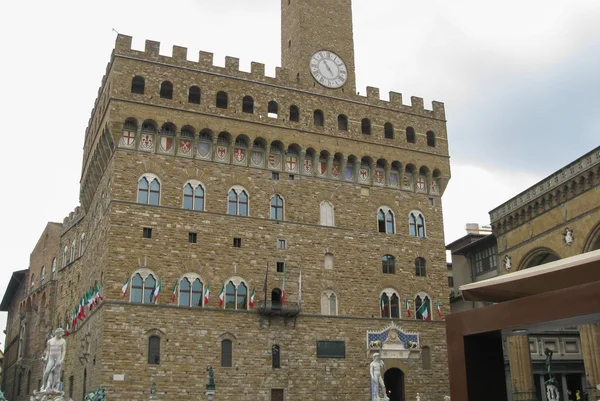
(72, 219)
(205, 62)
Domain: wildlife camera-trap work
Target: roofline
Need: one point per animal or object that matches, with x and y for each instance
(480, 241)
(11, 289)
(450, 245)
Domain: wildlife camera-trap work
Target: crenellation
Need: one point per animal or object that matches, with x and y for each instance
(439, 111)
(152, 48)
(373, 93)
(257, 70)
(123, 43)
(232, 64)
(180, 54)
(206, 60)
(396, 99)
(417, 104)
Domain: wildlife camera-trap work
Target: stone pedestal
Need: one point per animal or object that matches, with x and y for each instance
(210, 395)
(49, 395)
(520, 365)
(590, 347)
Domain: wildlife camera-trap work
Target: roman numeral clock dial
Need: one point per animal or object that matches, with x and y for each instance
(328, 69)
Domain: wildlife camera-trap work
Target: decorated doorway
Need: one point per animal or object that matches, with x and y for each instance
(394, 384)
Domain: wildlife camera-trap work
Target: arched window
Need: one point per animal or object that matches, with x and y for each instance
(277, 207)
(166, 90)
(236, 295)
(294, 113)
(275, 357)
(319, 118)
(137, 85)
(329, 305)
(342, 122)
(431, 139)
(193, 196)
(388, 131)
(416, 224)
(327, 214)
(73, 250)
(143, 284)
(81, 244)
(42, 275)
(32, 282)
(194, 95)
(222, 100)
(420, 268)
(389, 303)
(410, 135)
(328, 265)
(273, 109)
(191, 292)
(65, 256)
(154, 350)
(365, 126)
(248, 104)
(422, 307)
(149, 190)
(226, 354)
(237, 202)
(385, 221)
(388, 264)
(53, 268)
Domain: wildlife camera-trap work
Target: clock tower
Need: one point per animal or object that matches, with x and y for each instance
(317, 44)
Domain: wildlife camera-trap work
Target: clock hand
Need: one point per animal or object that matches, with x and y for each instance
(328, 68)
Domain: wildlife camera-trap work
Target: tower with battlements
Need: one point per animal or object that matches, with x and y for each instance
(279, 229)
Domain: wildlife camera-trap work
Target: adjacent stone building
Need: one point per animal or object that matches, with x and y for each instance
(314, 212)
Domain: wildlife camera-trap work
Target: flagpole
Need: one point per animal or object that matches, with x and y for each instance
(266, 284)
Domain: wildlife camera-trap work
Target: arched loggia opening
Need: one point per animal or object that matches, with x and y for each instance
(393, 379)
(538, 257)
(593, 241)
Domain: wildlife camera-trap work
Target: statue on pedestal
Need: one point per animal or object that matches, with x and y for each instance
(552, 393)
(376, 378)
(2, 398)
(56, 348)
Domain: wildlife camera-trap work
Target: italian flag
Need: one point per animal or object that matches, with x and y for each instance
(283, 295)
(90, 299)
(74, 318)
(67, 330)
(222, 296)
(124, 288)
(424, 312)
(81, 314)
(252, 298)
(98, 295)
(157, 291)
(383, 312)
(207, 293)
(174, 295)
(439, 310)
(407, 306)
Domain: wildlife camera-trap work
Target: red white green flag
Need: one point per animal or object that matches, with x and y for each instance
(124, 288)
(407, 306)
(424, 311)
(174, 295)
(222, 296)
(439, 310)
(81, 314)
(67, 329)
(383, 311)
(283, 294)
(74, 317)
(98, 296)
(252, 298)
(157, 291)
(207, 293)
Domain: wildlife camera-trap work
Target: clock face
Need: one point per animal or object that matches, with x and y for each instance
(328, 69)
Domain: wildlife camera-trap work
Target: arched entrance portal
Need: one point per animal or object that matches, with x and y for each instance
(539, 257)
(393, 379)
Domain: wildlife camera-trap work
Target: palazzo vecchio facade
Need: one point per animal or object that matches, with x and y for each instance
(196, 175)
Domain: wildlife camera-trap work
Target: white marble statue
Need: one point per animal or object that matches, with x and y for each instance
(569, 236)
(376, 368)
(56, 348)
(446, 398)
(507, 262)
(552, 393)
(418, 397)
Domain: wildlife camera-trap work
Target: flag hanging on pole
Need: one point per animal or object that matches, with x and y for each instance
(174, 295)
(252, 298)
(157, 291)
(439, 310)
(99, 296)
(407, 306)
(124, 288)
(207, 293)
(300, 288)
(283, 295)
(423, 310)
(222, 296)
(383, 311)
(266, 284)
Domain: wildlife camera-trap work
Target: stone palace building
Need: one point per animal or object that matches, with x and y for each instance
(279, 229)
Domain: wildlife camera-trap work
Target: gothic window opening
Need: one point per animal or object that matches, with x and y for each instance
(385, 221)
(248, 105)
(329, 305)
(81, 244)
(294, 113)
(388, 131)
(236, 297)
(154, 350)
(388, 263)
(418, 303)
(275, 357)
(194, 95)
(342, 122)
(222, 100)
(431, 139)
(365, 126)
(327, 214)
(237, 202)
(193, 196)
(273, 109)
(319, 118)
(389, 304)
(410, 135)
(166, 90)
(73, 250)
(416, 225)
(420, 267)
(149, 190)
(277, 207)
(226, 354)
(142, 289)
(137, 85)
(191, 294)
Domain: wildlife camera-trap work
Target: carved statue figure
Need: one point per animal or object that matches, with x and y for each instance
(2, 398)
(552, 393)
(375, 368)
(418, 397)
(446, 398)
(56, 348)
(507, 262)
(211, 376)
(548, 352)
(569, 236)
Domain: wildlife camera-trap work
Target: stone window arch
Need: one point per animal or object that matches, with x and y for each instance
(388, 131)
(81, 244)
(238, 201)
(328, 261)
(420, 299)
(410, 135)
(236, 294)
(143, 284)
(191, 291)
(329, 303)
(137, 85)
(273, 109)
(248, 105)
(327, 214)
(420, 267)
(275, 357)
(222, 100)
(65, 256)
(342, 122)
(73, 250)
(154, 339)
(294, 113)
(42, 275)
(226, 353)
(194, 95)
(319, 118)
(166, 90)
(389, 304)
(277, 207)
(365, 126)
(431, 139)
(53, 270)
(149, 190)
(416, 224)
(386, 221)
(388, 264)
(193, 195)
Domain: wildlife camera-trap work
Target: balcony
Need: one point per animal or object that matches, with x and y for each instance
(290, 310)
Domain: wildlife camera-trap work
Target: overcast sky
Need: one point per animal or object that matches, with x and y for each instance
(520, 80)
